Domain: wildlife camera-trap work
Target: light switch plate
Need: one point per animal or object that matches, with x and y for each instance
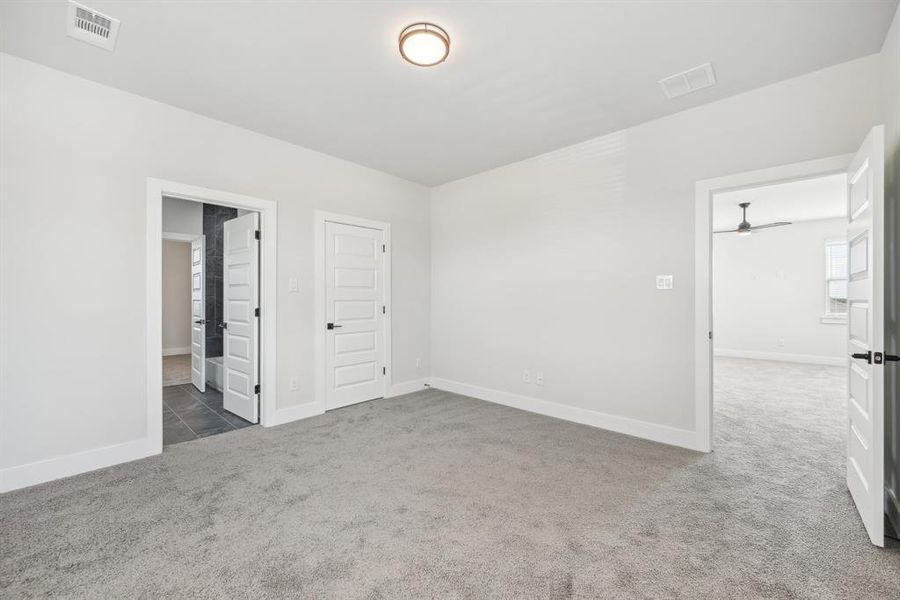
(664, 282)
(293, 285)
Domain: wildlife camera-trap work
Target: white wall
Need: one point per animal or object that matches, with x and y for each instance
(182, 216)
(176, 297)
(549, 264)
(769, 294)
(81, 153)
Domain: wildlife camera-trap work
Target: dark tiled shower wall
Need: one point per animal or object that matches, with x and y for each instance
(214, 218)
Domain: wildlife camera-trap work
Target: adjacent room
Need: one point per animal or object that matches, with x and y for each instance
(450, 299)
(780, 282)
(209, 367)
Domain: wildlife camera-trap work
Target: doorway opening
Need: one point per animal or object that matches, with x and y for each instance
(211, 312)
(210, 290)
(779, 313)
(778, 406)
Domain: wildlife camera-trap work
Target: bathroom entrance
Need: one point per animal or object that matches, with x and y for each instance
(210, 319)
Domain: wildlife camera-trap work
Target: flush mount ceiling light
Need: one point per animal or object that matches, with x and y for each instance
(424, 44)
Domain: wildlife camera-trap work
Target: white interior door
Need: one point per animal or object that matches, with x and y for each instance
(354, 301)
(865, 385)
(198, 313)
(240, 349)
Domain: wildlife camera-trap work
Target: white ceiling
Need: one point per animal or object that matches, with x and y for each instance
(806, 200)
(522, 78)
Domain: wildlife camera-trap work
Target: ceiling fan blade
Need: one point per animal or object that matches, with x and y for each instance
(726, 231)
(779, 224)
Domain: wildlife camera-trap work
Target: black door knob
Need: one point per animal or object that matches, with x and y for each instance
(333, 326)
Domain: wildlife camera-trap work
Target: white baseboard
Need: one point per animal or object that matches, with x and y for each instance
(176, 351)
(832, 361)
(311, 409)
(642, 429)
(408, 387)
(295, 413)
(13, 478)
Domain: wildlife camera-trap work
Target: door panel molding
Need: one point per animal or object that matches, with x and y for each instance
(865, 294)
(198, 313)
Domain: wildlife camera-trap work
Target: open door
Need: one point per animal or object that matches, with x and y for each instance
(865, 331)
(240, 356)
(198, 313)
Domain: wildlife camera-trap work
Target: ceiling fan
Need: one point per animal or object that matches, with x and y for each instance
(744, 227)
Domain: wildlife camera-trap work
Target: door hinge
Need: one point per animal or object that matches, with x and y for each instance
(383, 309)
(256, 389)
(256, 312)
(710, 335)
(384, 370)
(384, 247)
(256, 234)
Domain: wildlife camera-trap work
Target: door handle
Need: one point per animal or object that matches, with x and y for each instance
(891, 358)
(223, 325)
(201, 322)
(866, 356)
(332, 326)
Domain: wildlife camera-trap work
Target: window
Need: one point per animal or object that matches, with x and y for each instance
(835, 282)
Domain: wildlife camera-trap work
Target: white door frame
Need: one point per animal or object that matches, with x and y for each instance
(267, 209)
(703, 227)
(320, 218)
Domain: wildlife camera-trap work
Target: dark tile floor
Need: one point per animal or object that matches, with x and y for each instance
(189, 414)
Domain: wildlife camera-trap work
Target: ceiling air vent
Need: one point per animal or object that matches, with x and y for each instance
(688, 81)
(88, 25)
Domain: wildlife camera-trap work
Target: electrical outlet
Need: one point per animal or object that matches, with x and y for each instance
(526, 376)
(539, 378)
(293, 285)
(295, 383)
(781, 342)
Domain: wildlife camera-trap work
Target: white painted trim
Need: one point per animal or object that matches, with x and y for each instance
(295, 413)
(20, 476)
(408, 387)
(180, 237)
(811, 359)
(176, 351)
(703, 325)
(826, 320)
(268, 219)
(319, 219)
(651, 431)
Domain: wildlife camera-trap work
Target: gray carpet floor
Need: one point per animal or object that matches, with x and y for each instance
(439, 495)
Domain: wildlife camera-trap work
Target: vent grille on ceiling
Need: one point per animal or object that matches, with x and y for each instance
(688, 81)
(88, 25)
